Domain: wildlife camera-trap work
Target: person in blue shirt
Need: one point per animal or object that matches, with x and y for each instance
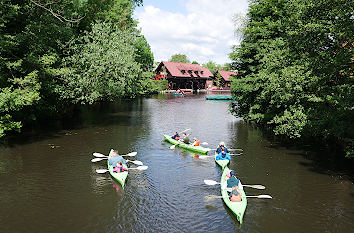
(232, 181)
(176, 136)
(220, 147)
(114, 158)
(223, 155)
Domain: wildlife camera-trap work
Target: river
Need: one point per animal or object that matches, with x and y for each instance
(49, 184)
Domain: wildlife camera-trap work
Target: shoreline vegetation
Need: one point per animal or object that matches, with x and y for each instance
(294, 64)
(295, 70)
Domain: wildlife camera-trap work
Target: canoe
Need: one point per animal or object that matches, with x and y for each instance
(197, 149)
(218, 97)
(221, 163)
(237, 208)
(120, 177)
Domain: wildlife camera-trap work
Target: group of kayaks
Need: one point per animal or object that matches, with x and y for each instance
(238, 208)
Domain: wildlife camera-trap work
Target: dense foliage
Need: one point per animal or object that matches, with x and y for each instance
(295, 65)
(73, 51)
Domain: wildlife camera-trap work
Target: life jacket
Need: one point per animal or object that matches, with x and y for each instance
(197, 143)
(177, 138)
(235, 198)
(118, 169)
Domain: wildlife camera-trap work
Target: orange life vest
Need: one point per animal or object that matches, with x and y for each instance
(197, 143)
(176, 138)
(235, 198)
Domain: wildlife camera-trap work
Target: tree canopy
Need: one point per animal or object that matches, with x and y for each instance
(180, 58)
(295, 69)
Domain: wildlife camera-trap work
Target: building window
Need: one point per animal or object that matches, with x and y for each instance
(183, 71)
(196, 72)
(201, 72)
(189, 71)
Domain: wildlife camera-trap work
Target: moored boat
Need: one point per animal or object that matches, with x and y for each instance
(121, 176)
(221, 163)
(197, 149)
(218, 97)
(238, 208)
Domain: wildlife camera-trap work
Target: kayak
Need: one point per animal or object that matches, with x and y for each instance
(120, 177)
(239, 207)
(198, 149)
(218, 97)
(221, 163)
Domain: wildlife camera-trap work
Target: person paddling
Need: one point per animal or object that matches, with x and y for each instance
(185, 138)
(196, 142)
(119, 168)
(232, 181)
(235, 194)
(223, 155)
(114, 158)
(221, 146)
(176, 136)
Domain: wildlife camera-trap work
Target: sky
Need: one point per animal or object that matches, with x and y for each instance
(201, 29)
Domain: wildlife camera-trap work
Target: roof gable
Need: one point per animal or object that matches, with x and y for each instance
(226, 74)
(179, 69)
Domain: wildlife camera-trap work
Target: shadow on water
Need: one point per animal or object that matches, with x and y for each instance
(122, 112)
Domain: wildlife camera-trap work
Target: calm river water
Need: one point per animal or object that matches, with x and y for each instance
(49, 184)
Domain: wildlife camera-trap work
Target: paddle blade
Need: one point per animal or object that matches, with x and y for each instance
(211, 197)
(210, 182)
(237, 149)
(99, 155)
(97, 159)
(265, 196)
(101, 171)
(255, 186)
(136, 162)
(236, 154)
(172, 147)
(139, 168)
(131, 154)
(204, 143)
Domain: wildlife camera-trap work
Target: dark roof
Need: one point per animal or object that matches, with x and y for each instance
(226, 74)
(190, 70)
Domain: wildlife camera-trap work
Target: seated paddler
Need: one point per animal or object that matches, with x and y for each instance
(114, 158)
(223, 155)
(175, 136)
(221, 146)
(232, 181)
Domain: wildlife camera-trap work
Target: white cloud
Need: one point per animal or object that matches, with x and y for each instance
(204, 32)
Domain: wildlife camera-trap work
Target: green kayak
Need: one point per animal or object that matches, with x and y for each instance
(221, 163)
(197, 149)
(121, 176)
(218, 97)
(238, 208)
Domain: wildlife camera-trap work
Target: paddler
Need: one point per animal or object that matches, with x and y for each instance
(176, 136)
(223, 155)
(185, 138)
(114, 158)
(232, 181)
(221, 146)
(235, 194)
(196, 142)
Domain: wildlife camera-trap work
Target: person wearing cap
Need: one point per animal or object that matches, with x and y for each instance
(223, 155)
(232, 181)
(196, 142)
(221, 146)
(185, 138)
(176, 136)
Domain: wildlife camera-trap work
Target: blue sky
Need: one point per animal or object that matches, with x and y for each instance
(201, 29)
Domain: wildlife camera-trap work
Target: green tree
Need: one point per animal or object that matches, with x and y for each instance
(102, 66)
(195, 62)
(212, 66)
(295, 64)
(179, 58)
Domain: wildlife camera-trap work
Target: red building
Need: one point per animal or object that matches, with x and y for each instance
(184, 76)
(223, 77)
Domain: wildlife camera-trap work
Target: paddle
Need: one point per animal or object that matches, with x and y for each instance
(210, 197)
(132, 161)
(209, 156)
(237, 149)
(141, 168)
(99, 155)
(255, 186)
